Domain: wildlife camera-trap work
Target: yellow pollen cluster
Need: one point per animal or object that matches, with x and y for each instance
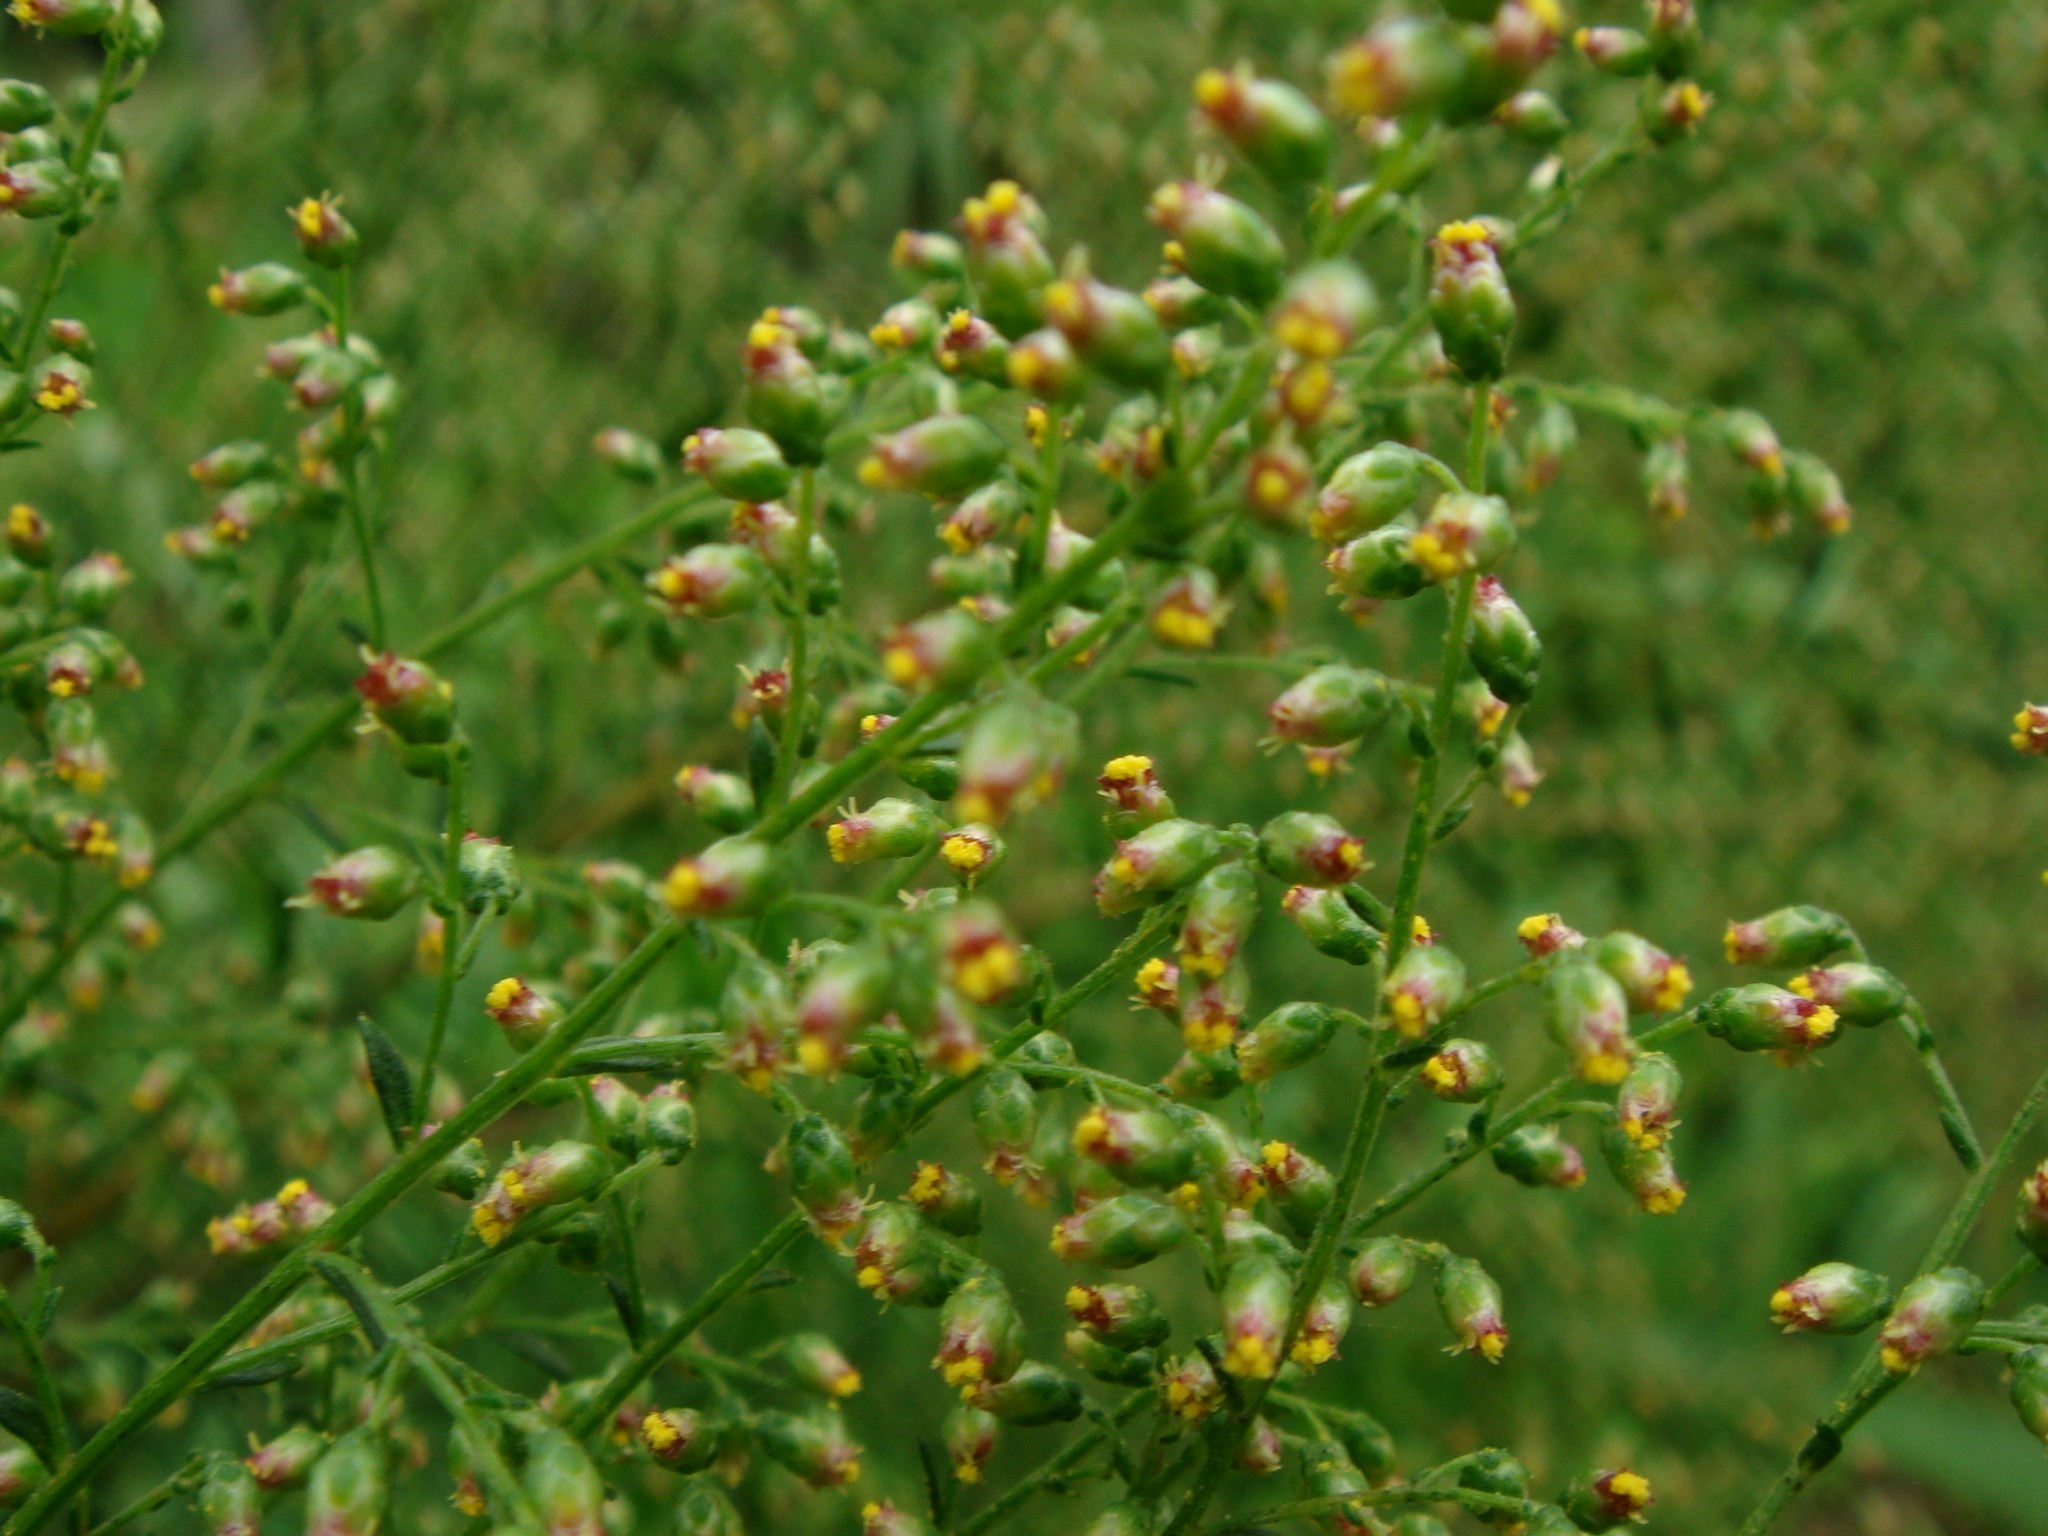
(1308, 334)
(311, 218)
(504, 994)
(986, 976)
(1801, 985)
(1152, 975)
(1442, 1074)
(1272, 488)
(1493, 1346)
(1178, 625)
(1821, 1026)
(1129, 769)
(1464, 232)
(870, 1277)
(1630, 1488)
(1419, 930)
(966, 1472)
(1689, 105)
(841, 841)
(22, 521)
(1274, 1154)
(1785, 1306)
(1312, 1351)
(99, 842)
(1408, 1012)
(1310, 390)
(1188, 1197)
(765, 335)
(1674, 988)
(1185, 1401)
(965, 1374)
(1123, 868)
(978, 805)
(489, 1225)
(683, 890)
(1208, 1034)
(963, 854)
(1662, 1202)
(889, 336)
(1535, 925)
(1213, 89)
(1604, 1067)
(844, 1383)
(1896, 1360)
(1062, 1245)
(901, 663)
(1250, 1355)
(1091, 1131)
(1433, 555)
(814, 1055)
(659, 1434)
(1644, 1135)
(468, 1500)
(930, 1180)
(59, 394)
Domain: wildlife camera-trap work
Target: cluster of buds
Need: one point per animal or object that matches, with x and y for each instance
(295, 1209)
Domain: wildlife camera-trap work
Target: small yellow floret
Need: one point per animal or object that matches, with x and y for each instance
(1274, 1154)
(1822, 1025)
(930, 1180)
(468, 1500)
(488, 1224)
(900, 662)
(1250, 1355)
(963, 854)
(966, 1373)
(1784, 1305)
(1313, 1351)
(1604, 1067)
(1184, 627)
(1493, 1346)
(966, 1472)
(839, 840)
(1272, 487)
(504, 994)
(1128, 769)
(845, 1383)
(1663, 1202)
(1408, 1013)
(869, 1278)
(659, 1434)
(1213, 88)
(1441, 1073)
(684, 888)
(1463, 231)
(1630, 1487)
(1091, 1131)
(1535, 925)
(310, 217)
(1895, 1360)
(1188, 1197)
(989, 974)
(814, 1055)
(1676, 987)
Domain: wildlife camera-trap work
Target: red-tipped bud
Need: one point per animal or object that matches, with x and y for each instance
(1831, 1298)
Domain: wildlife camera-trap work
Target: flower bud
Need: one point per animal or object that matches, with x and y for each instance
(1136, 799)
(1014, 756)
(620, 1118)
(1379, 564)
(1932, 1317)
(1292, 1035)
(981, 1337)
(1463, 1072)
(1210, 1008)
(1471, 1306)
(1671, 116)
(702, 1509)
(1323, 1326)
(2031, 1223)
(1219, 242)
(1539, 1157)
(555, 1175)
(463, 1172)
(1324, 310)
(408, 698)
(1667, 478)
(888, 829)
(1270, 123)
(969, 344)
(1761, 1017)
(1367, 491)
(284, 1461)
(1652, 980)
(1155, 862)
(1403, 66)
(978, 954)
(1816, 492)
(1140, 1146)
(1801, 935)
(23, 106)
(1127, 1317)
(1005, 258)
(1462, 533)
(1586, 1012)
(1600, 1501)
(813, 1444)
(786, 397)
(1858, 993)
(1112, 330)
(349, 1485)
(1034, 1395)
(1221, 910)
(1644, 1169)
(821, 1176)
(1301, 1187)
(21, 1473)
(2029, 1389)
(712, 581)
(949, 648)
(629, 454)
(1469, 300)
(1330, 706)
(1308, 848)
(738, 462)
(947, 1201)
(1006, 1119)
(62, 384)
(969, 1434)
(1255, 1300)
(1188, 611)
(523, 1012)
(1119, 1233)
(371, 883)
(323, 233)
(734, 877)
(1505, 649)
(1619, 51)
(1497, 1472)
(679, 1438)
(1423, 987)
(943, 457)
(1646, 1108)
(1328, 922)
(37, 189)
(895, 1259)
(722, 799)
(28, 536)
(1831, 1298)
(1674, 33)
(1384, 1270)
(973, 852)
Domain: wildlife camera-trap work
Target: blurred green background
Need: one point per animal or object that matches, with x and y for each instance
(571, 212)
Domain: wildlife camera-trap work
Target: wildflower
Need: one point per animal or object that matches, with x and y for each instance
(565, 1171)
(371, 883)
(1463, 1072)
(525, 1013)
(1014, 757)
(846, 992)
(1119, 1233)
(1601, 1501)
(2029, 1389)
(1644, 1168)
(813, 1444)
(349, 1485)
(38, 189)
(1188, 611)
(1545, 933)
(981, 1337)
(1131, 786)
(1646, 1105)
(949, 1202)
(972, 852)
(1424, 986)
(1270, 123)
(323, 233)
(61, 385)
(1255, 1302)
(737, 462)
(1005, 257)
(630, 455)
(724, 800)
(1471, 1306)
(945, 649)
(408, 698)
(1330, 706)
(1218, 241)
(28, 536)
(1674, 114)
(1307, 848)
(1323, 1326)
(731, 878)
(969, 1434)
(1154, 862)
(1292, 1035)
(1158, 986)
(1652, 980)
(1301, 1188)
(1539, 1157)
(1006, 1119)
(895, 1260)
(283, 1461)
(978, 953)
(1586, 1012)
(1469, 300)
(1762, 1017)
(1278, 478)
(1831, 1298)
(1110, 329)
(1384, 1271)
(1858, 993)
(1933, 1315)
(1379, 564)
(943, 457)
(887, 829)
(2030, 1224)
(1403, 65)
(1221, 910)
(678, 1438)
(1463, 533)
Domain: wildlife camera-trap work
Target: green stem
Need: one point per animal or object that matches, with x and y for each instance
(40, 1377)
(1070, 1456)
(799, 642)
(351, 483)
(1955, 1120)
(451, 930)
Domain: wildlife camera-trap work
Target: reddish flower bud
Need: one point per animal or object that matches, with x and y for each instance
(371, 883)
(1762, 1017)
(1646, 1107)
(1384, 1271)
(1423, 987)
(1132, 788)
(1933, 1316)
(1539, 1157)
(1307, 848)
(949, 648)
(1155, 862)
(1270, 123)
(732, 878)
(1471, 1306)
(1644, 1168)
(1586, 1012)
(1111, 329)
(1218, 241)
(1463, 1072)
(1119, 1233)
(1831, 1298)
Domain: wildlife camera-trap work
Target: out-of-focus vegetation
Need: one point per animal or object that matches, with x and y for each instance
(570, 215)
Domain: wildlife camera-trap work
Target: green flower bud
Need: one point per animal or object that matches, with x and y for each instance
(1384, 1270)
(821, 1175)
(619, 1116)
(1307, 848)
(1761, 1017)
(1644, 1169)
(923, 259)
(679, 1438)
(885, 1519)
(235, 464)
(488, 873)
(2031, 1223)
(463, 1172)
(949, 648)
(348, 1488)
(564, 1487)
(1469, 300)
(1219, 242)
(1136, 800)
(1674, 32)
(1652, 980)
(1036, 1394)
(737, 462)
(1859, 994)
(1005, 257)
(1931, 1318)
(722, 799)
(1463, 1072)
(1221, 910)
(1533, 116)
(1110, 1365)
(1112, 330)
(1462, 533)
(943, 457)
(1202, 1075)
(371, 884)
(1471, 1306)
(969, 1434)
(1043, 364)
(1667, 478)
(981, 1338)
(816, 1364)
(1619, 51)
(1505, 651)
(1292, 1035)
(629, 454)
(1539, 1157)
(1191, 1389)
(732, 878)
(1586, 1012)
(1300, 1187)
(702, 1509)
(1646, 1108)
(1014, 756)
(1367, 491)
(523, 1012)
(1330, 706)
(973, 852)
(37, 189)
(229, 1500)
(1597, 1502)
(786, 397)
(712, 581)
(813, 1444)
(1119, 1233)
(1801, 935)
(947, 1201)
(1404, 66)
(1154, 863)
(24, 105)
(888, 829)
(1327, 1472)
(1126, 1317)
(1329, 923)
(1323, 1325)
(1270, 123)
(1499, 1473)
(555, 1175)
(1255, 1300)
(1422, 988)
(896, 1260)
(1379, 564)
(283, 1462)
(1831, 1298)
(880, 1116)
(2029, 1389)
(1144, 1147)
(21, 1474)
(1006, 1119)
(323, 232)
